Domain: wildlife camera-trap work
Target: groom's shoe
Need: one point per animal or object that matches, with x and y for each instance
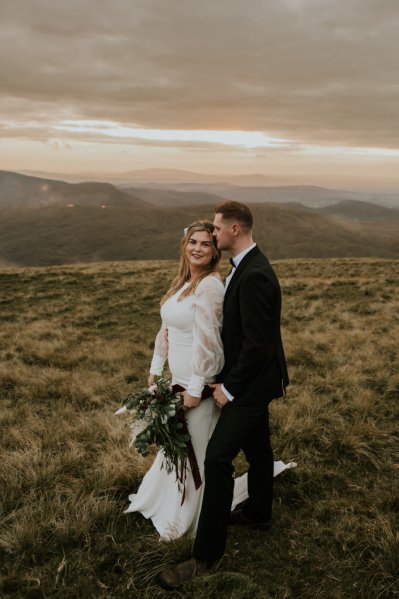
(240, 518)
(172, 578)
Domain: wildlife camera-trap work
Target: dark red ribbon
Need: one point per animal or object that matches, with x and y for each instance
(207, 392)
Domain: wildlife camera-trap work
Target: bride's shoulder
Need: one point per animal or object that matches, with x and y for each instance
(212, 281)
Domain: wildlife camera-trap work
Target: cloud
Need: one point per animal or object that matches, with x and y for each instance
(311, 71)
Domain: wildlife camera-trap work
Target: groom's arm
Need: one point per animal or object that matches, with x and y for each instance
(257, 297)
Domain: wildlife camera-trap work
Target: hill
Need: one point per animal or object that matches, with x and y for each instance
(252, 187)
(161, 187)
(360, 211)
(21, 191)
(161, 177)
(172, 198)
(44, 222)
(183, 194)
(308, 195)
(62, 235)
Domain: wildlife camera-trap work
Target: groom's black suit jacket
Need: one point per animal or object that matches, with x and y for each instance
(255, 370)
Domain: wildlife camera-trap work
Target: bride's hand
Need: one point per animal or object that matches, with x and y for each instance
(151, 380)
(189, 401)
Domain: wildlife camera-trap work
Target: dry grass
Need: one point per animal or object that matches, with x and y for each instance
(72, 342)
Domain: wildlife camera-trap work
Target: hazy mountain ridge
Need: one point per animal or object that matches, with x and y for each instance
(361, 211)
(252, 187)
(51, 222)
(61, 235)
(21, 191)
(160, 176)
(309, 195)
(172, 198)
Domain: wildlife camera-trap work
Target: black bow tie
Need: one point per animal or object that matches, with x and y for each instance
(233, 266)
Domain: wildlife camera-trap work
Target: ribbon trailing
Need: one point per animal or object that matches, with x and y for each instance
(207, 392)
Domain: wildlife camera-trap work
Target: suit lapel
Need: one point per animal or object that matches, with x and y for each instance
(239, 270)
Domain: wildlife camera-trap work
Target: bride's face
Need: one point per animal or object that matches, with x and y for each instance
(199, 249)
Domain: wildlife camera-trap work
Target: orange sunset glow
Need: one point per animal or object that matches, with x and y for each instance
(299, 90)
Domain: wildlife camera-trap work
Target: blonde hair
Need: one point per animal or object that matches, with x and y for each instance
(184, 272)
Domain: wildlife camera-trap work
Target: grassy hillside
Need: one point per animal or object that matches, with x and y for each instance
(74, 340)
(60, 235)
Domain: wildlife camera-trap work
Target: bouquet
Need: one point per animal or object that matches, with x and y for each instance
(160, 407)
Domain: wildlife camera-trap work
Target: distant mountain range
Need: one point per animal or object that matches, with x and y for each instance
(360, 211)
(45, 221)
(161, 177)
(311, 196)
(20, 191)
(254, 188)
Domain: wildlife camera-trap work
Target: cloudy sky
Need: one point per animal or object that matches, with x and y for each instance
(306, 90)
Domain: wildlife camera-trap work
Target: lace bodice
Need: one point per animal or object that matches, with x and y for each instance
(195, 353)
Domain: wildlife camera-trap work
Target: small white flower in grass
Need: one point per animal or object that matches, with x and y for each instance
(120, 411)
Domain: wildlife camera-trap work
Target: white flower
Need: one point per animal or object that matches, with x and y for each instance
(164, 419)
(152, 389)
(121, 410)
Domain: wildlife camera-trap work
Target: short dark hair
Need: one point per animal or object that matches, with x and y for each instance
(232, 210)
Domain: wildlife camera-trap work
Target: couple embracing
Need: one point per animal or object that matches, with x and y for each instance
(226, 336)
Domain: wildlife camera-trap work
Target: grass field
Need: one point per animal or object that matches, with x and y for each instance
(74, 340)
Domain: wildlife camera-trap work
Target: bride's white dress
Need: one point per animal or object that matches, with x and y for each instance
(195, 356)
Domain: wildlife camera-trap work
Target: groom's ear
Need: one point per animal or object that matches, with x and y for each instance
(235, 228)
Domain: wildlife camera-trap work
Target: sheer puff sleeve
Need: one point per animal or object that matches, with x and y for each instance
(160, 352)
(207, 356)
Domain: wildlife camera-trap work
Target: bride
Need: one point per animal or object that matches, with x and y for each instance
(192, 313)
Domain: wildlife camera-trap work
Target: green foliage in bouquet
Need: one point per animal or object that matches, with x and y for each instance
(162, 408)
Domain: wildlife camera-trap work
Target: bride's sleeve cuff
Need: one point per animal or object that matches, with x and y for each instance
(196, 385)
(157, 365)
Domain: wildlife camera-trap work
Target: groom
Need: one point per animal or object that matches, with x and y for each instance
(254, 373)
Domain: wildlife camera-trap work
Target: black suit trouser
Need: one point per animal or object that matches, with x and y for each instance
(238, 428)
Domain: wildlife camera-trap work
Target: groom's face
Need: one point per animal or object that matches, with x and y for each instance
(223, 232)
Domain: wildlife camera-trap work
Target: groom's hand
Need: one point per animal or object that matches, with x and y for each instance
(218, 395)
(189, 401)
